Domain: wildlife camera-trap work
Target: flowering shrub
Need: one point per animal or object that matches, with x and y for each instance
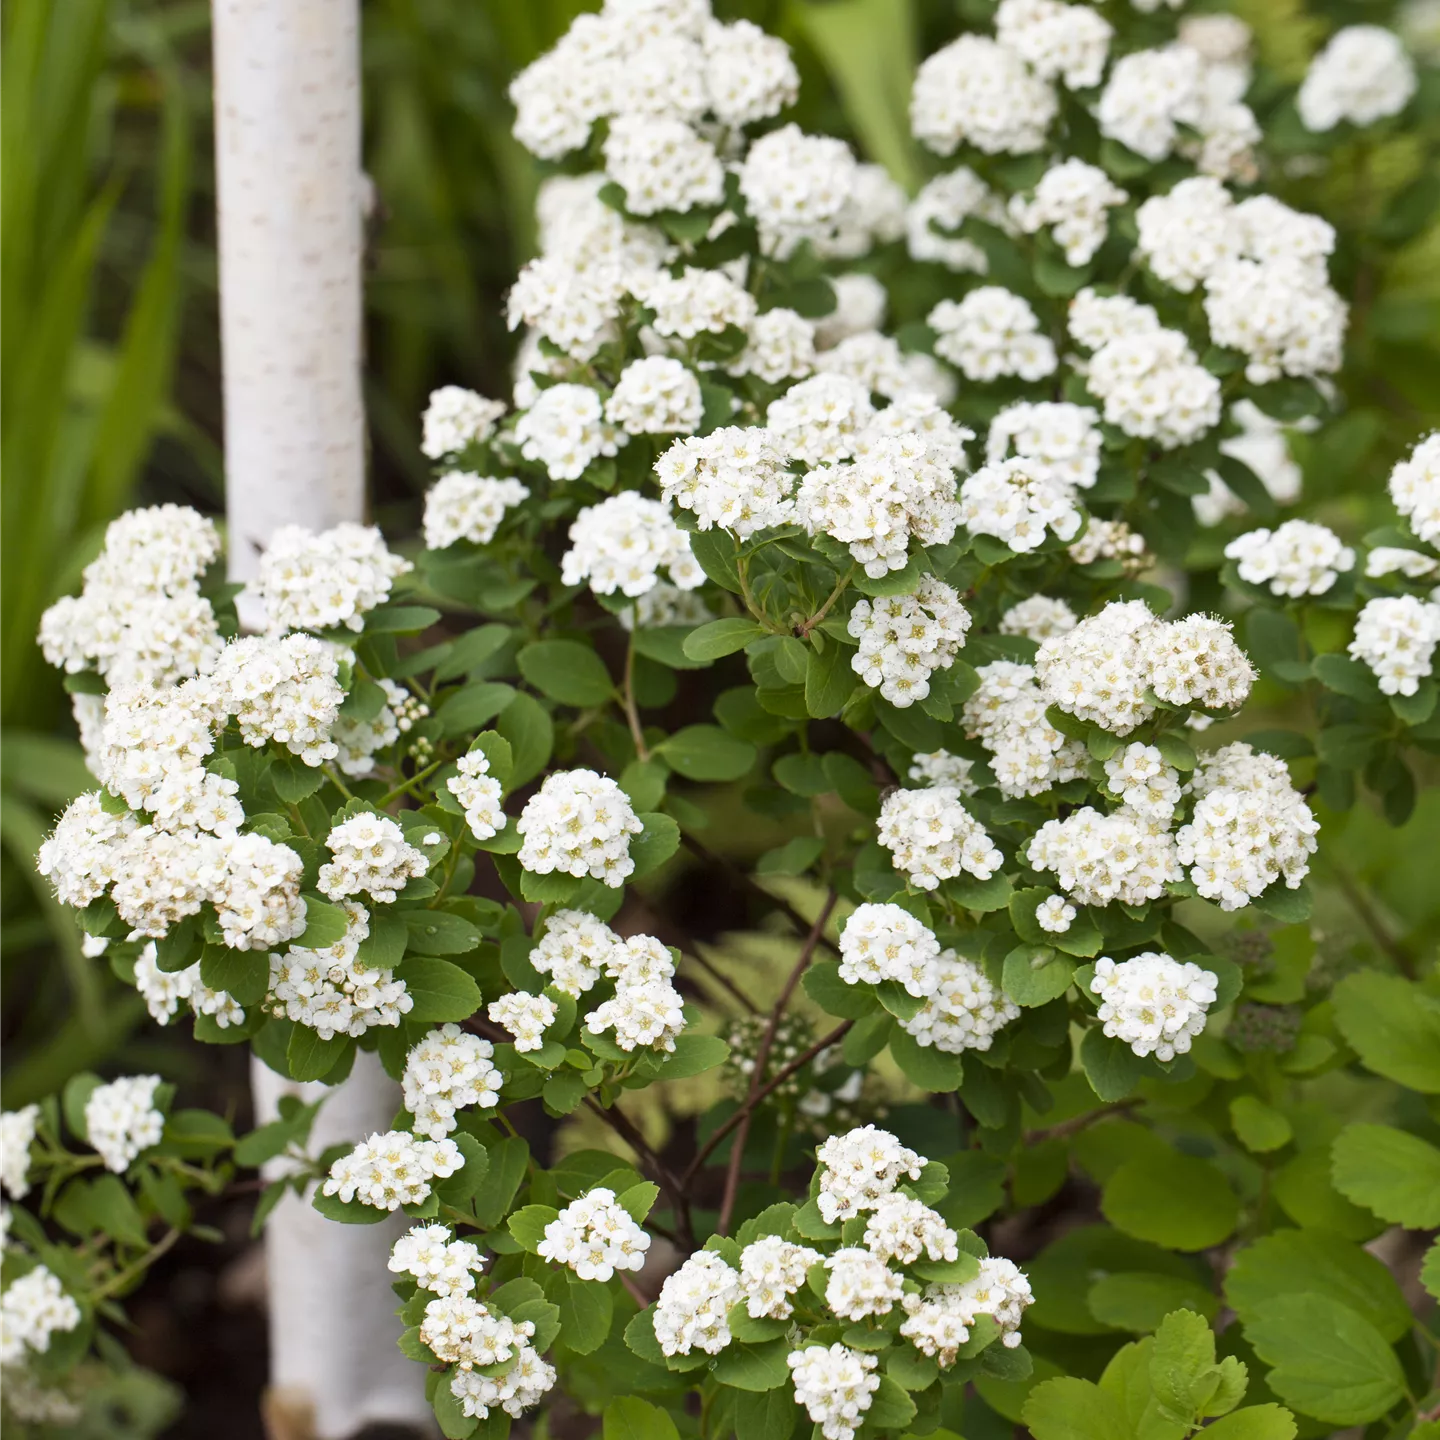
(909, 594)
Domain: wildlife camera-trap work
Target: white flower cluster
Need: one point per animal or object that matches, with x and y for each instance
(696, 302)
(140, 615)
(525, 1016)
(578, 823)
(1112, 540)
(977, 92)
(904, 639)
(873, 214)
(876, 362)
(836, 1385)
(573, 301)
(372, 857)
(656, 395)
(1154, 1004)
(478, 792)
(1072, 198)
(623, 542)
(455, 418)
(565, 429)
(1296, 558)
(1101, 670)
(1396, 637)
(1066, 438)
(1054, 915)
(1250, 827)
(940, 767)
(662, 164)
(771, 1271)
(1362, 75)
(902, 1229)
(445, 1073)
(332, 991)
(938, 1321)
(1147, 377)
(878, 501)
(821, 420)
(942, 207)
(461, 505)
(734, 478)
(1057, 41)
(652, 61)
(121, 1119)
(666, 605)
(1038, 617)
(1386, 560)
(965, 1010)
(1145, 784)
(692, 1311)
(990, 333)
(394, 1169)
(574, 951)
(795, 186)
(17, 1134)
(324, 581)
(779, 345)
(860, 1168)
(595, 1236)
(284, 690)
(1016, 500)
(861, 1283)
(1099, 858)
(436, 1260)
(1415, 489)
(524, 1385)
(32, 1309)
(359, 741)
(462, 1331)
(1007, 715)
(932, 837)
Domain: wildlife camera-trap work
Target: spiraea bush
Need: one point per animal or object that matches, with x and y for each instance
(872, 525)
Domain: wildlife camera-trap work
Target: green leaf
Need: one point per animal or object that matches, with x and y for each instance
(1177, 1201)
(400, 619)
(528, 1224)
(1293, 1262)
(311, 1058)
(454, 1423)
(934, 1070)
(830, 680)
(835, 996)
(1327, 1361)
(1395, 1174)
(347, 1212)
(1246, 486)
(890, 1407)
(981, 896)
(764, 1415)
(526, 724)
(438, 932)
(508, 1160)
(586, 1310)
(440, 991)
(458, 1188)
(753, 1367)
(471, 650)
(628, 1417)
(706, 752)
(567, 671)
(293, 780)
(1070, 1409)
(1346, 677)
(721, 637)
(794, 857)
(325, 924)
(693, 1055)
(1416, 709)
(1034, 975)
(1254, 1422)
(1111, 1067)
(1184, 1378)
(1260, 1128)
(655, 844)
(473, 706)
(714, 551)
(1393, 1026)
(1305, 1192)
(1140, 1300)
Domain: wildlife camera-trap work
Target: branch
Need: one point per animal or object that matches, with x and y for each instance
(674, 1189)
(778, 1078)
(762, 1059)
(1360, 904)
(1077, 1123)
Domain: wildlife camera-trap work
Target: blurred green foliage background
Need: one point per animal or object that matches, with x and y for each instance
(110, 389)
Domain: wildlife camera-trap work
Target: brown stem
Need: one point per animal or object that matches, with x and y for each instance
(674, 1189)
(632, 714)
(762, 1059)
(720, 978)
(779, 1078)
(1076, 1124)
(806, 626)
(1360, 904)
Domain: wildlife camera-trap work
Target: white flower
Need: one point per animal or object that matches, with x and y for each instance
(905, 638)
(461, 505)
(285, 690)
(17, 1133)
(860, 303)
(932, 837)
(1016, 500)
(1072, 198)
(578, 823)
(749, 75)
(455, 418)
(82, 857)
(1152, 386)
(1386, 560)
(35, 1307)
(479, 795)
(965, 1010)
(257, 897)
(334, 992)
(1038, 617)
(1154, 1004)
(463, 1332)
(515, 1391)
(572, 300)
(655, 396)
(902, 1229)
(697, 302)
(1148, 786)
(940, 767)
(1415, 488)
(623, 542)
(1007, 715)
(662, 164)
(121, 1119)
(526, 1017)
(1055, 915)
(941, 1318)
(393, 1169)
(1149, 94)
(643, 1012)
(734, 478)
(795, 186)
(437, 1260)
(990, 333)
(821, 419)
(977, 92)
(372, 857)
(691, 1312)
(779, 345)
(595, 1236)
(860, 1167)
(860, 1282)
(873, 214)
(564, 431)
(1362, 75)
(1112, 540)
(446, 1072)
(574, 951)
(1068, 42)
(771, 1271)
(1249, 830)
(944, 205)
(1186, 234)
(1099, 858)
(836, 1385)
(1283, 315)
(664, 605)
(1297, 558)
(324, 581)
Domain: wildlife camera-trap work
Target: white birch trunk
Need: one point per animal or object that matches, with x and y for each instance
(287, 141)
